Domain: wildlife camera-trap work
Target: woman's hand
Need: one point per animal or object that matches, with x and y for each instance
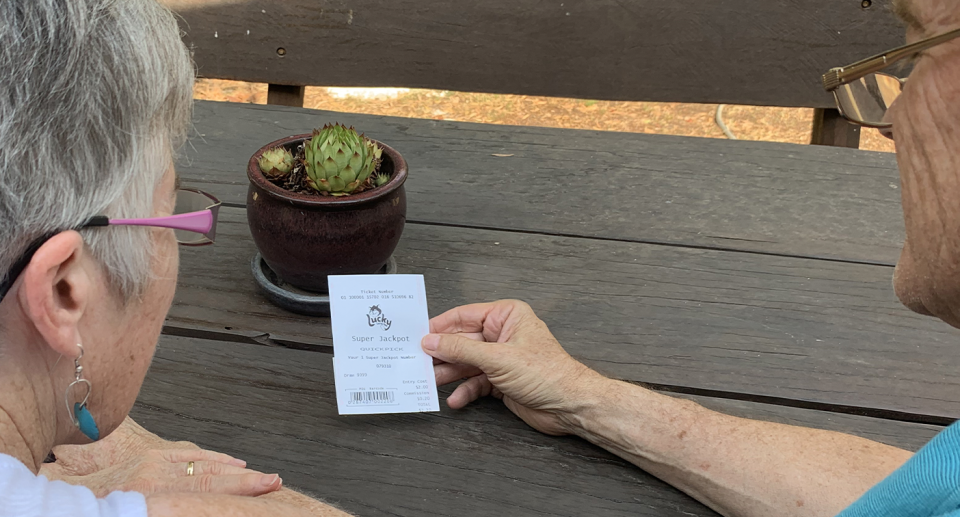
(134, 459)
(125, 443)
(504, 350)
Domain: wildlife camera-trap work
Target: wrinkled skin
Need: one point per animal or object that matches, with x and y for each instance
(926, 129)
(63, 298)
(502, 349)
(520, 362)
(506, 351)
(134, 459)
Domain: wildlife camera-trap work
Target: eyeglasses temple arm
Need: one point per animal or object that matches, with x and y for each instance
(839, 76)
(21, 264)
(201, 221)
(96, 221)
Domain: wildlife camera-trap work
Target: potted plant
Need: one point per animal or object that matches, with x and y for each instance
(327, 203)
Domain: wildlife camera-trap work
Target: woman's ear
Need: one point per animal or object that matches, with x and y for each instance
(54, 291)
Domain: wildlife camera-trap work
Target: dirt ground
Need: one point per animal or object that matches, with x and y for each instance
(746, 122)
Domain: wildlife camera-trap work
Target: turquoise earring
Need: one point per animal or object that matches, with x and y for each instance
(79, 414)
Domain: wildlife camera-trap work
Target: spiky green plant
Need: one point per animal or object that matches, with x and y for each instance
(338, 160)
(381, 179)
(276, 162)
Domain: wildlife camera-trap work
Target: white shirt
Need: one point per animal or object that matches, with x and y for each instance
(23, 494)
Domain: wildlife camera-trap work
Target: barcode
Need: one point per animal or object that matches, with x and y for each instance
(371, 397)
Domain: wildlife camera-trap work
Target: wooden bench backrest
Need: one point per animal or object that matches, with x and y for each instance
(758, 52)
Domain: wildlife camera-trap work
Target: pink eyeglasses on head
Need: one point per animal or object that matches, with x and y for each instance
(194, 222)
(194, 219)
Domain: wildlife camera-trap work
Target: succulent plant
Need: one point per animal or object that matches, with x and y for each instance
(338, 160)
(276, 162)
(382, 179)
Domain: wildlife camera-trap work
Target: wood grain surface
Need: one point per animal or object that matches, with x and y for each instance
(762, 197)
(744, 52)
(733, 273)
(276, 409)
(810, 330)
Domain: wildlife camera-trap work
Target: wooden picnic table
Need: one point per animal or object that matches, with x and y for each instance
(754, 278)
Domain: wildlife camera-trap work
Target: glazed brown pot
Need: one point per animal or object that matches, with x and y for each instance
(304, 238)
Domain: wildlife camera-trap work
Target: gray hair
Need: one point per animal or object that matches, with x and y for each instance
(95, 99)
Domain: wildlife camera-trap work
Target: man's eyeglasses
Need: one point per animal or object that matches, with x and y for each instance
(863, 95)
(194, 222)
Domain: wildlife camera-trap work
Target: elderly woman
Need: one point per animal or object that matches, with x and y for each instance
(743, 467)
(95, 97)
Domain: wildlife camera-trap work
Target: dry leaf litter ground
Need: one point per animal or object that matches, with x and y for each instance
(746, 122)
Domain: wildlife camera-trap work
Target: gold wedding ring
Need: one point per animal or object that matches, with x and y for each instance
(190, 468)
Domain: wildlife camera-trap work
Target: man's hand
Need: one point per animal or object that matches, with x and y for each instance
(504, 350)
(134, 459)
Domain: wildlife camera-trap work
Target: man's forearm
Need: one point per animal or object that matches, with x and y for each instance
(738, 467)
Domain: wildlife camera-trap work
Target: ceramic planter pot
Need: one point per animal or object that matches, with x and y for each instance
(303, 238)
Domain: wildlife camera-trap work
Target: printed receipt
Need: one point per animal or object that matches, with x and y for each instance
(378, 323)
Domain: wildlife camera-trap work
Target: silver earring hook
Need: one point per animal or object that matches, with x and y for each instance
(78, 372)
(76, 362)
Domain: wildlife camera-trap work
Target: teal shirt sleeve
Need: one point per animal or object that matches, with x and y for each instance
(928, 485)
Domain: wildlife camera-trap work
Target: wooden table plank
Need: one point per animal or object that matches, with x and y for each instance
(729, 52)
(756, 196)
(276, 408)
(830, 333)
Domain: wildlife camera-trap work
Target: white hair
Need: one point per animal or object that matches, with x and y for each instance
(95, 99)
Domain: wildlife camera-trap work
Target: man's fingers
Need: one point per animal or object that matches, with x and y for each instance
(447, 373)
(486, 319)
(242, 484)
(186, 455)
(468, 318)
(476, 336)
(472, 389)
(456, 349)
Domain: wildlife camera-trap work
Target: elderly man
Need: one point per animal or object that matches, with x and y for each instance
(744, 467)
